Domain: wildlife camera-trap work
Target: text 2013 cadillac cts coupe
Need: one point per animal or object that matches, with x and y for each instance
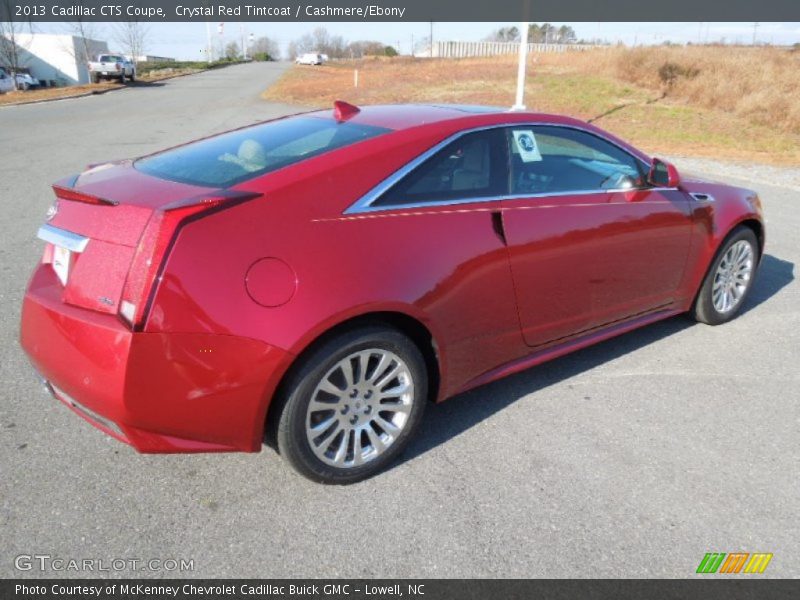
(320, 277)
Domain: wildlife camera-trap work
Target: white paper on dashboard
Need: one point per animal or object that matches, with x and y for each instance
(527, 146)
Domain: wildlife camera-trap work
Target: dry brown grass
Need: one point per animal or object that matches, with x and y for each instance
(35, 95)
(734, 103)
(761, 84)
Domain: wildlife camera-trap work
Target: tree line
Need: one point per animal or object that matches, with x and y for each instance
(320, 40)
(335, 46)
(537, 34)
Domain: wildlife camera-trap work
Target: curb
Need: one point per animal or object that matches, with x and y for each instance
(43, 100)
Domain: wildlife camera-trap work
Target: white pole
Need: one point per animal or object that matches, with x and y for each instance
(208, 41)
(523, 57)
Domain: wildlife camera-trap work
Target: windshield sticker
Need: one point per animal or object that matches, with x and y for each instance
(526, 144)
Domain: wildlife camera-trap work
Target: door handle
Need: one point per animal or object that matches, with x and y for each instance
(497, 226)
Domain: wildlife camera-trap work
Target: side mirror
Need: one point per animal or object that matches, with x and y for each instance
(663, 174)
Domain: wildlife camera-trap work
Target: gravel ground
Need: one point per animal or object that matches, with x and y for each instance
(785, 177)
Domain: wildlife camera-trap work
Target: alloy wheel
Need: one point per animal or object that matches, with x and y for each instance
(732, 277)
(359, 408)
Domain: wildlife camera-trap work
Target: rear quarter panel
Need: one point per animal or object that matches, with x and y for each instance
(446, 268)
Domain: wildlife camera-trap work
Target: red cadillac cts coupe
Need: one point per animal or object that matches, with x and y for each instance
(319, 278)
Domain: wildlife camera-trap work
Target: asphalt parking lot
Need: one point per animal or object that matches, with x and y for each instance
(629, 459)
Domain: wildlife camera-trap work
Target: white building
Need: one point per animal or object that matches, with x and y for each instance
(56, 57)
(151, 58)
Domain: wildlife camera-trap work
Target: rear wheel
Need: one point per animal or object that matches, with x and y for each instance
(122, 78)
(95, 78)
(729, 279)
(353, 405)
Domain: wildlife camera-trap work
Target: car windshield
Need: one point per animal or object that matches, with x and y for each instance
(230, 158)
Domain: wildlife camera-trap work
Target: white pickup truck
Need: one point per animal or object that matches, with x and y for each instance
(112, 66)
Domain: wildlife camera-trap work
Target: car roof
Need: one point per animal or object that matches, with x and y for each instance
(405, 116)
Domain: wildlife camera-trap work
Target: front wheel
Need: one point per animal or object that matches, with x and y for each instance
(729, 279)
(352, 405)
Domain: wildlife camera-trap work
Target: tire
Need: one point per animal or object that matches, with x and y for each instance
(740, 253)
(354, 420)
(133, 76)
(95, 78)
(122, 78)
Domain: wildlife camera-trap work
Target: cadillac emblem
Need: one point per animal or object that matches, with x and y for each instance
(51, 212)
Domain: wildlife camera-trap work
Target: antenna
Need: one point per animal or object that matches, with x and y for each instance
(343, 110)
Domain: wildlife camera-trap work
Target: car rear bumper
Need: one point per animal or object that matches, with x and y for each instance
(158, 392)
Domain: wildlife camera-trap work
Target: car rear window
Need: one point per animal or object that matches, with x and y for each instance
(230, 158)
(110, 58)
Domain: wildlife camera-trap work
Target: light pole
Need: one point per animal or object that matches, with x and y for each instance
(208, 42)
(523, 57)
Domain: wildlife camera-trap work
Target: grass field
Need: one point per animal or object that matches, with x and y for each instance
(717, 102)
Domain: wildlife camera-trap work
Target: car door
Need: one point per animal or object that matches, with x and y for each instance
(589, 242)
(441, 214)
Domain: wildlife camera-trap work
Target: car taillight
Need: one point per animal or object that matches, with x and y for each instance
(67, 193)
(159, 235)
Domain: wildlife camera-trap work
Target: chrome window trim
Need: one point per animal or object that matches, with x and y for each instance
(61, 237)
(364, 204)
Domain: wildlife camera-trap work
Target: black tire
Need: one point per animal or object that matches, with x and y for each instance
(95, 78)
(704, 310)
(133, 76)
(122, 78)
(292, 410)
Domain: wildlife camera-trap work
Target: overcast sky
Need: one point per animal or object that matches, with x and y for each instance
(187, 40)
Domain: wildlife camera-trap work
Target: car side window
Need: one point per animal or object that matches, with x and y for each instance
(472, 166)
(546, 159)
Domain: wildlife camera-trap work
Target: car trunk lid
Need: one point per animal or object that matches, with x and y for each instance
(97, 228)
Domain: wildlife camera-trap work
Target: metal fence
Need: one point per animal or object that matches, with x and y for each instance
(469, 49)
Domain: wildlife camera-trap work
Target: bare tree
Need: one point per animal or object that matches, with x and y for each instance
(320, 41)
(232, 51)
(85, 32)
(422, 46)
(504, 34)
(265, 48)
(293, 50)
(83, 51)
(550, 34)
(362, 48)
(12, 51)
(132, 37)
(566, 35)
